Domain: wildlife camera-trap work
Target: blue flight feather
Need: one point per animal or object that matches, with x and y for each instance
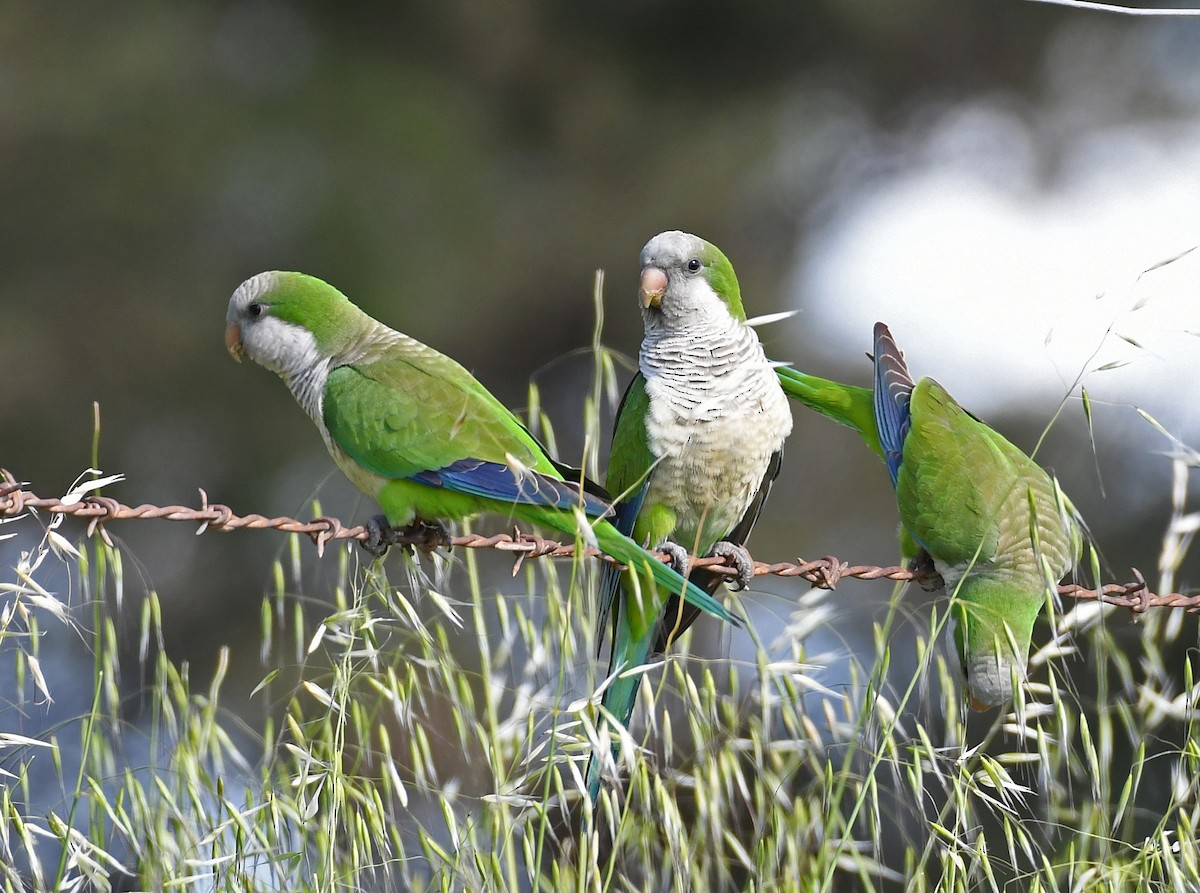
(893, 389)
(494, 480)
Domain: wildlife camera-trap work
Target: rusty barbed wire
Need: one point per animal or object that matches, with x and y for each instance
(822, 573)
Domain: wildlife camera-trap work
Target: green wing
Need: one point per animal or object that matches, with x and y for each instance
(845, 404)
(629, 465)
(414, 410)
(630, 458)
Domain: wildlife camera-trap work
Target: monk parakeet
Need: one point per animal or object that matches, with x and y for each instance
(412, 428)
(697, 442)
(996, 527)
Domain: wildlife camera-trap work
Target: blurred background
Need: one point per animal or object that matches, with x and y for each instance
(1000, 182)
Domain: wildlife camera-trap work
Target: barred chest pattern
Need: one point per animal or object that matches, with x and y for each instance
(717, 416)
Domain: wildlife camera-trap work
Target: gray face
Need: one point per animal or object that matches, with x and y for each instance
(251, 331)
(674, 288)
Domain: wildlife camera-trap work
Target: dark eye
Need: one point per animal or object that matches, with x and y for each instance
(255, 310)
(693, 265)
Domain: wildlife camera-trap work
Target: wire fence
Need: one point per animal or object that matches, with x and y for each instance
(824, 573)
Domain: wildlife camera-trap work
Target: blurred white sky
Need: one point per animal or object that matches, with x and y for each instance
(1001, 242)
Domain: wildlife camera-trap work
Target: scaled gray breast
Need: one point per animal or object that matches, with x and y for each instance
(717, 415)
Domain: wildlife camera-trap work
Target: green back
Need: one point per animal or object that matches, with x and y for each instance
(965, 492)
(410, 409)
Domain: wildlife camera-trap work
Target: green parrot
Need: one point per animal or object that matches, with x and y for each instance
(993, 523)
(697, 441)
(413, 429)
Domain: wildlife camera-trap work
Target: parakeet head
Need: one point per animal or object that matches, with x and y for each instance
(285, 321)
(683, 277)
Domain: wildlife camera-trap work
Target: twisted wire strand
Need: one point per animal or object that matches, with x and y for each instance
(823, 573)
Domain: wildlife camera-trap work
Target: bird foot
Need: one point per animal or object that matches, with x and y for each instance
(381, 536)
(924, 573)
(739, 558)
(680, 560)
(425, 535)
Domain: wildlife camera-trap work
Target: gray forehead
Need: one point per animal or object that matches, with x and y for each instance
(251, 290)
(672, 246)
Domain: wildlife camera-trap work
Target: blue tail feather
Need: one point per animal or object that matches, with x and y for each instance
(893, 390)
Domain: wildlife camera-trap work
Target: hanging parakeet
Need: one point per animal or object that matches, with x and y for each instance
(412, 428)
(697, 442)
(998, 530)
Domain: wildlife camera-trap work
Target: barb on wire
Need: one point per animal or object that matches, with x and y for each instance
(823, 573)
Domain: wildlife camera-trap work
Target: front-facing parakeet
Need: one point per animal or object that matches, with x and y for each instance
(698, 440)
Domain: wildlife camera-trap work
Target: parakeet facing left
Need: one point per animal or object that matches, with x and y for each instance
(697, 442)
(412, 428)
(995, 525)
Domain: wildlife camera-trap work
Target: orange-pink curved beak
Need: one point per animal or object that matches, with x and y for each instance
(652, 286)
(233, 341)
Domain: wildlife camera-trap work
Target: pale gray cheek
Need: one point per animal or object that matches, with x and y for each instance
(280, 347)
(258, 347)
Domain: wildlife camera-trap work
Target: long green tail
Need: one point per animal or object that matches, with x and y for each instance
(844, 403)
(621, 695)
(613, 542)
